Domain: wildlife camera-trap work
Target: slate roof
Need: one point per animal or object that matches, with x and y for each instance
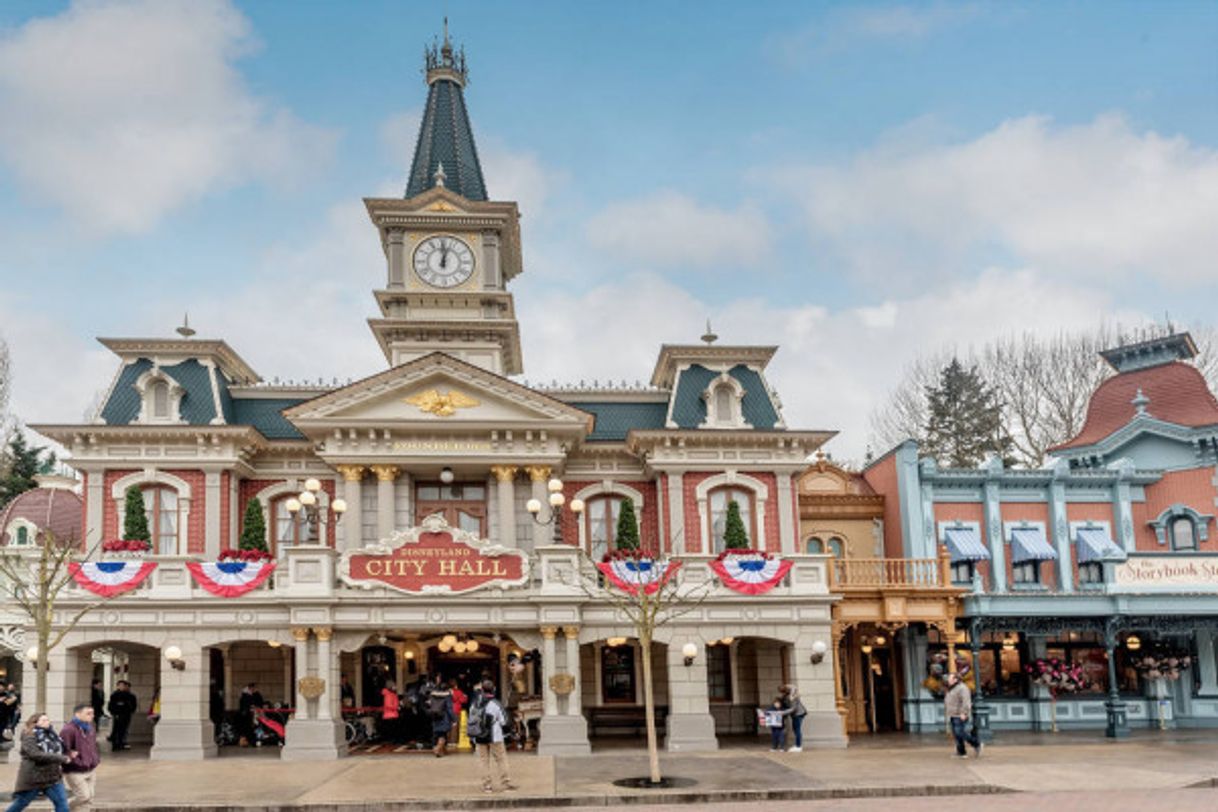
(615, 419)
(1177, 391)
(197, 406)
(266, 416)
(445, 137)
(689, 410)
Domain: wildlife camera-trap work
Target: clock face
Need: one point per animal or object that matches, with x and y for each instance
(443, 261)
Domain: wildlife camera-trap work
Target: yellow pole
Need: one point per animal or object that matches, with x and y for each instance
(463, 742)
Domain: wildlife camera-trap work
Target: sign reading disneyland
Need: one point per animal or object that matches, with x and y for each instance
(434, 558)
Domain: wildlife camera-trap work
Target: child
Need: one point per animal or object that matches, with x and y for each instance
(774, 721)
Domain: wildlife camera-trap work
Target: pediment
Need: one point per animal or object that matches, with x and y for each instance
(441, 391)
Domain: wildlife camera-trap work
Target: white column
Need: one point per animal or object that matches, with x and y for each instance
(505, 475)
(385, 476)
(301, 652)
(573, 698)
(690, 726)
(213, 517)
(325, 670)
(353, 519)
(543, 534)
(786, 516)
(184, 733)
(676, 513)
(548, 633)
(95, 495)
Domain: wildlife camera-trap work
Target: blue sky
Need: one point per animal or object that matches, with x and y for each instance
(857, 182)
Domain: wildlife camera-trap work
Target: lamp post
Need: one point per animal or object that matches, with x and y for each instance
(557, 503)
(306, 501)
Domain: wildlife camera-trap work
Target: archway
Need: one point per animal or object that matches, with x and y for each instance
(113, 662)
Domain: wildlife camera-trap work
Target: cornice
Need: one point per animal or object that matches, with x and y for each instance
(231, 364)
(671, 355)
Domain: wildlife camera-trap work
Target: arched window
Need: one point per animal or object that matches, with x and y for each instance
(723, 404)
(836, 547)
(1183, 533)
(161, 505)
(159, 392)
(719, 499)
(23, 536)
(286, 529)
(601, 513)
(815, 546)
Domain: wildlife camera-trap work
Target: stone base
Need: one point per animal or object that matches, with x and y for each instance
(563, 736)
(690, 733)
(823, 729)
(314, 740)
(179, 740)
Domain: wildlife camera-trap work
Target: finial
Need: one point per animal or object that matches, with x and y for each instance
(1140, 401)
(709, 337)
(186, 331)
(439, 176)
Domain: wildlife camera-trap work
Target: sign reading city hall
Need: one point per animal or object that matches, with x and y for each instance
(433, 558)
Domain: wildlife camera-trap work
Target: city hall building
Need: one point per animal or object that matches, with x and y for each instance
(398, 510)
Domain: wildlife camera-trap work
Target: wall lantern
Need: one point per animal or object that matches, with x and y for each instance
(556, 501)
(614, 642)
(174, 655)
(1133, 642)
(31, 654)
(818, 652)
(274, 643)
(689, 651)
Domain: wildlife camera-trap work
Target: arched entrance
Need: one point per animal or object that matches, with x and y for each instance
(113, 662)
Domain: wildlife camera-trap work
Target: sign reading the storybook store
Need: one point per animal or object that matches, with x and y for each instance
(1190, 573)
(433, 558)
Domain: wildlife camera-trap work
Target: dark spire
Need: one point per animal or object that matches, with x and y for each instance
(445, 137)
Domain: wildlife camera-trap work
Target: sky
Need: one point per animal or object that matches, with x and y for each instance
(858, 183)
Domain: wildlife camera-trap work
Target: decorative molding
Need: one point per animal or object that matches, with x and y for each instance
(385, 473)
(1163, 522)
(350, 473)
(538, 473)
(735, 420)
(504, 473)
(433, 402)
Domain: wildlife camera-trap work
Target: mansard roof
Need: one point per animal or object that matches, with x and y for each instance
(689, 407)
(614, 420)
(1175, 392)
(446, 140)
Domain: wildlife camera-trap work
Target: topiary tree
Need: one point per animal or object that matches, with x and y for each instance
(135, 519)
(734, 535)
(627, 535)
(253, 527)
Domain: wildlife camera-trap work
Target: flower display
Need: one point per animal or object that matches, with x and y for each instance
(635, 554)
(1059, 676)
(126, 546)
(757, 553)
(245, 555)
(1164, 664)
(936, 667)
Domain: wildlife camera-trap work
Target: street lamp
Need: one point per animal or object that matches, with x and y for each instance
(557, 502)
(306, 501)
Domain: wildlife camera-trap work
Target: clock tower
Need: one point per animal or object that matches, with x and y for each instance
(450, 251)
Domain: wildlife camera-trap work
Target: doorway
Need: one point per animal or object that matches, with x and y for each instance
(462, 505)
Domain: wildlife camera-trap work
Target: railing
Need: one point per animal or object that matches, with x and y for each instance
(872, 573)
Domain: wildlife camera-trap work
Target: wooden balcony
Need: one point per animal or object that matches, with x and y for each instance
(879, 574)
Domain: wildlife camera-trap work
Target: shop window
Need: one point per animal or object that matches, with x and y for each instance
(1183, 533)
(719, 499)
(1026, 572)
(1091, 573)
(617, 674)
(962, 572)
(601, 514)
(161, 506)
(719, 673)
(815, 546)
(1086, 650)
(287, 529)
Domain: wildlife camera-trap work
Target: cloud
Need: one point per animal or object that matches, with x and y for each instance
(842, 29)
(668, 228)
(120, 113)
(1092, 202)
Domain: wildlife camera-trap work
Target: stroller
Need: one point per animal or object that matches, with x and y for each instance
(270, 726)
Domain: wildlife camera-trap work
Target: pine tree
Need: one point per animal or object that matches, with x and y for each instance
(734, 535)
(253, 527)
(135, 519)
(964, 421)
(21, 462)
(626, 537)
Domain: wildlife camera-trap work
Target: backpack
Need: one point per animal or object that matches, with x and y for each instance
(478, 724)
(437, 706)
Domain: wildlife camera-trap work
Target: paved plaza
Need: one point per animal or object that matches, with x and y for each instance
(910, 767)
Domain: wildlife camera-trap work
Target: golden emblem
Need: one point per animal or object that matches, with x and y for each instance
(311, 687)
(445, 405)
(562, 684)
(440, 205)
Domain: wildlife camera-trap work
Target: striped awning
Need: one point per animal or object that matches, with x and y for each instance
(1030, 544)
(964, 544)
(1094, 544)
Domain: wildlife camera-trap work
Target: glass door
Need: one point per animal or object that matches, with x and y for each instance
(461, 505)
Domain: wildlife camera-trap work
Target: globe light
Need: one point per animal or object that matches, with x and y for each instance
(459, 648)
(293, 505)
(339, 506)
(308, 498)
(451, 639)
(577, 505)
(445, 646)
(727, 641)
(31, 654)
(173, 653)
(1133, 642)
(471, 646)
(313, 485)
(556, 499)
(555, 485)
(446, 475)
(274, 643)
(533, 506)
(408, 654)
(819, 647)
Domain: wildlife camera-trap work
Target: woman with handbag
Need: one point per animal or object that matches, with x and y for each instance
(41, 771)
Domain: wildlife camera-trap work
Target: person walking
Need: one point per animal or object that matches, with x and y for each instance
(122, 707)
(390, 713)
(958, 705)
(488, 720)
(79, 738)
(795, 705)
(42, 761)
(440, 709)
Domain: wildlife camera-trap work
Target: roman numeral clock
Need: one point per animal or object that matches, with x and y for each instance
(443, 261)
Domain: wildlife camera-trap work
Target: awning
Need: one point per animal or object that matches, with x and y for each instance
(1094, 544)
(1030, 544)
(964, 544)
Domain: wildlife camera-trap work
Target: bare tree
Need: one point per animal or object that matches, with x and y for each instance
(35, 584)
(904, 414)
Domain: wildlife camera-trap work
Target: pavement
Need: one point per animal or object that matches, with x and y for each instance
(741, 773)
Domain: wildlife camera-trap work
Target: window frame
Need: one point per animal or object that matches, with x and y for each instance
(1091, 573)
(154, 509)
(716, 545)
(1020, 571)
(719, 657)
(274, 541)
(1182, 519)
(613, 511)
(966, 567)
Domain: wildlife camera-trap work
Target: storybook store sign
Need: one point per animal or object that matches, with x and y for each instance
(433, 558)
(1176, 571)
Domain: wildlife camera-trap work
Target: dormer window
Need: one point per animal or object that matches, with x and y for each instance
(724, 399)
(161, 397)
(160, 400)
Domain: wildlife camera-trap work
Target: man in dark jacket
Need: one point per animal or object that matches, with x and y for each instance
(247, 709)
(122, 707)
(98, 700)
(80, 741)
